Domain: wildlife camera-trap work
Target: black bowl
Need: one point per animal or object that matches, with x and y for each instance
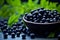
(39, 28)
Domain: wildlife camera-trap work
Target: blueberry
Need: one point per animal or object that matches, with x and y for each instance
(51, 13)
(59, 18)
(26, 18)
(39, 15)
(51, 20)
(18, 30)
(4, 31)
(54, 14)
(21, 26)
(5, 26)
(47, 19)
(1, 24)
(26, 14)
(13, 35)
(2, 21)
(59, 37)
(54, 11)
(44, 16)
(33, 11)
(14, 31)
(29, 16)
(18, 34)
(47, 11)
(19, 23)
(20, 19)
(43, 20)
(42, 8)
(15, 24)
(7, 29)
(41, 11)
(46, 22)
(34, 16)
(36, 20)
(32, 35)
(5, 35)
(38, 9)
(28, 33)
(23, 36)
(14, 27)
(5, 22)
(24, 30)
(58, 15)
(9, 32)
(54, 19)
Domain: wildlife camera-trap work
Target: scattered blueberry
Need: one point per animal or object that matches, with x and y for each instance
(32, 35)
(12, 35)
(23, 36)
(5, 35)
(18, 34)
(59, 37)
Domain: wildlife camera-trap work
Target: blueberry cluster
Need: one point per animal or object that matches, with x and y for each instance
(15, 30)
(42, 15)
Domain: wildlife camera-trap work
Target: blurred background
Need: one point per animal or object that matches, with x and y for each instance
(14, 9)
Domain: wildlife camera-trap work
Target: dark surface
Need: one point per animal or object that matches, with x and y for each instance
(27, 38)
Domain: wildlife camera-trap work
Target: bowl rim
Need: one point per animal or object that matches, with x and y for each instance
(38, 23)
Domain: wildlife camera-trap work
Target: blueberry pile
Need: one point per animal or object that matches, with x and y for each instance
(15, 30)
(42, 15)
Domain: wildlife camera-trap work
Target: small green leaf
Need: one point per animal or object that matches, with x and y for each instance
(51, 35)
(12, 19)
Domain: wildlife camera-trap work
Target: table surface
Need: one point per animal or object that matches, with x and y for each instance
(27, 38)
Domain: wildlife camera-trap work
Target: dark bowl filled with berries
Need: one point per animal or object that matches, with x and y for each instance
(42, 20)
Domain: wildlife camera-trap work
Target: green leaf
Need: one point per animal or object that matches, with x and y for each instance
(1, 2)
(43, 3)
(51, 35)
(14, 2)
(58, 8)
(12, 19)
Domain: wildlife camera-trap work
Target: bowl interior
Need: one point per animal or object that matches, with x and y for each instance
(39, 23)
